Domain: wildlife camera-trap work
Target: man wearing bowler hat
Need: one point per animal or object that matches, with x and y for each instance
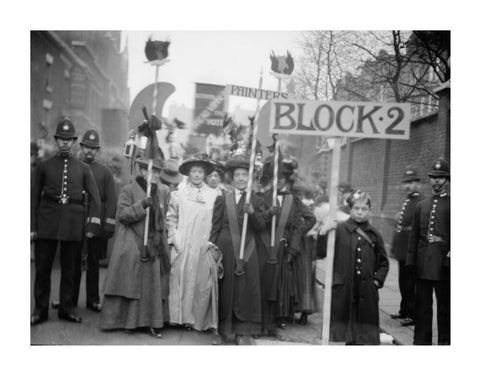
(57, 216)
(406, 279)
(429, 256)
(170, 176)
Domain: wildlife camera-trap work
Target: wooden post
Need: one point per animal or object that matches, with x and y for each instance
(250, 170)
(275, 178)
(150, 161)
(331, 241)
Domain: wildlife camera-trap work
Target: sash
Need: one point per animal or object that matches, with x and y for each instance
(286, 207)
(236, 235)
(365, 236)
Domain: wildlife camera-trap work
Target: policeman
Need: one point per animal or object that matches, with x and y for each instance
(406, 279)
(57, 217)
(429, 254)
(97, 245)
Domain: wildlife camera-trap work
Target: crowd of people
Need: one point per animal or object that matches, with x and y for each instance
(196, 249)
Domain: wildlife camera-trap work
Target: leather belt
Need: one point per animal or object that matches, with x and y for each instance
(433, 239)
(62, 200)
(402, 228)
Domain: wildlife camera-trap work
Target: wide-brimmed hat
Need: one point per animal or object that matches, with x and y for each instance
(440, 168)
(65, 130)
(157, 163)
(170, 173)
(197, 159)
(286, 167)
(91, 139)
(218, 167)
(410, 175)
(301, 186)
(237, 161)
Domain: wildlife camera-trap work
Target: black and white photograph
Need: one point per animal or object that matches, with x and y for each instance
(234, 205)
(201, 188)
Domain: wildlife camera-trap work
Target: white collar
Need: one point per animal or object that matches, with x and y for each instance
(196, 187)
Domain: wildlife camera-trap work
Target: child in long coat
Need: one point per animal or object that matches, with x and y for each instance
(360, 267)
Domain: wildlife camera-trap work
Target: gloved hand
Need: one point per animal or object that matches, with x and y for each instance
(147, 202)
(289, 258)
(274, 211)
(410, 268)
(247, 207)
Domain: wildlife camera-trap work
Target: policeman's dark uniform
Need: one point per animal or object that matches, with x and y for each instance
(98, 244)
(406, 279)
(429, 254)
(57, 216)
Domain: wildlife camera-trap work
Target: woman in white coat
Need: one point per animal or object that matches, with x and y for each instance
(189, 220)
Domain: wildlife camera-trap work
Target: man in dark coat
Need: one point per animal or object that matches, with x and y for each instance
(57, 215)
(406, 279)
(360, 267)
(97, 245)
(239, 289)
(429, 255)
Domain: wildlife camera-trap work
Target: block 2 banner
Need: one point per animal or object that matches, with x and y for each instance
(209, 108)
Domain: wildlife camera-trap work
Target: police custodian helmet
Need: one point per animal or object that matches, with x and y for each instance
(91, 139)
(65, 129)
(440, 168)
(410, 174)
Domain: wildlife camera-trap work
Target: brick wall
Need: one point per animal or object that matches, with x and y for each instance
(377, 165)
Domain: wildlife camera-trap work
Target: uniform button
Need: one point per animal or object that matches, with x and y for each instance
(359, 273)
(359, 260)
(65, 183)
(359, 238)
(64, 195)
(435, 200)
(358, 249)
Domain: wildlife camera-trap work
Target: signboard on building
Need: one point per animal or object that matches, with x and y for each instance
(343, 119)
(209, 108)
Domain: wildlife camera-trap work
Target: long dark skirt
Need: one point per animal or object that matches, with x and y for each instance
(239, 296)
(150, 310)
(288, 292)
(306, 280)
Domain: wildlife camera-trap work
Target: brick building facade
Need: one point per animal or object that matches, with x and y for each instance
(82, 75)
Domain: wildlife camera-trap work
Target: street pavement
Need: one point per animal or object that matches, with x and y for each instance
(58, 332)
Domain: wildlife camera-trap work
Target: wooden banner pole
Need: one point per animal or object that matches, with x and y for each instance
(331, 241)
(250, 170)
(150, 161)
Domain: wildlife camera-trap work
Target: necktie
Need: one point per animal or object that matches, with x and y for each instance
(241, 201)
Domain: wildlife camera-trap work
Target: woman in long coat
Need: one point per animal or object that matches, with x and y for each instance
(193, 276)
(360, 267)
(136, 285)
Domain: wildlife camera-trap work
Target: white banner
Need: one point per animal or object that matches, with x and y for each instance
(344, 119)
(250, 92)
